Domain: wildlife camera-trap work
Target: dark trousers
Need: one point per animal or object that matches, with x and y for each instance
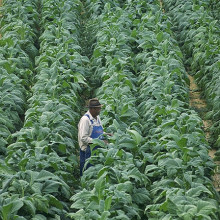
(83, 156)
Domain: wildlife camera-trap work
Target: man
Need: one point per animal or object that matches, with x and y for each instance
(89, 127)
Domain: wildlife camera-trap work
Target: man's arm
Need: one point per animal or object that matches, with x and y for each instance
(84, 131)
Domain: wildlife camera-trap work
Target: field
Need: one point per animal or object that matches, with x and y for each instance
(155, 67)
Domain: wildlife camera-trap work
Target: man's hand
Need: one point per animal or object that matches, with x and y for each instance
(105, 141)
(109, 134)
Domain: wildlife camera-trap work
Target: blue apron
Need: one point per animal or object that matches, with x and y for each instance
(97, 132)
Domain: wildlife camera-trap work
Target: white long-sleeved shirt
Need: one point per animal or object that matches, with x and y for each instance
(85, 128)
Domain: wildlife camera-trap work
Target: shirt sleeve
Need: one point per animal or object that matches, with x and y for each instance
(84, 131)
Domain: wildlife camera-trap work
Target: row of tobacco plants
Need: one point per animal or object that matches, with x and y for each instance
(214, 6)
(198, 35)
(180, 172)
(40, 163)
(16, 71)
(114, 188)
(156, 165)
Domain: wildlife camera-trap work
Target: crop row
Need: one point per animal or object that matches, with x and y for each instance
(213, 6)
(16, 67)
(180, 165)
(140, 63)
(198, 34)
(42, 160)
(114, 184)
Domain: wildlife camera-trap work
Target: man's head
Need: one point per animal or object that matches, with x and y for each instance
(94, 107)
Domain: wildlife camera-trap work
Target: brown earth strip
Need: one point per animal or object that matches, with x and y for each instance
(199, 104)
(161, 6)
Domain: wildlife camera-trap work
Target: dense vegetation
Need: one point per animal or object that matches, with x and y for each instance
(40, 163)
(16, 67)
(198, 35)
(156, 166)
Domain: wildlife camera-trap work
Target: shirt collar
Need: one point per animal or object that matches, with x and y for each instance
(90, 116)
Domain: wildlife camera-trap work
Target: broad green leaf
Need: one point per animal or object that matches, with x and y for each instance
(4, 168)
(97, 53)
(126, 186)
(97, 142)
(2, 80)
(45, 175)
(79, 204)
(205, 207)
(36, 187)
(79, 215)
(116, 124)
(12, 207)
(39, 217)
(168, 217)
(197, 191)
(101, 206)
(135, 135)
(218, 141)
(79, 78)
(105, 215)
(168, 123)
(100, 185)
(60, 55)
(150, 168)
(16, 217)
(160, 37)
(66, 84)
(30, 206)
(170, 163)
(6, 211)
(121, 215)
(51, 186)
(108, 202)
(141, 196)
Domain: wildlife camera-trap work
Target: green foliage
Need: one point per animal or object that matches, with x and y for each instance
(28, 193)
(145, 93)
(43, 151)
(156, 165)
(16, 66)
(198, 33)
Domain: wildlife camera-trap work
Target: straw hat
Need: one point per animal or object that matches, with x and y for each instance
(94, 103)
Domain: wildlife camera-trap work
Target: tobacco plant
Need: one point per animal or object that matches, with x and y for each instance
(156, 165)
(17, 35)
(166, 152)
(42, 157)
(198, 34)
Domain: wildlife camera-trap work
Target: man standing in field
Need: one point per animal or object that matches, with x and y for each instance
(89, 127)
